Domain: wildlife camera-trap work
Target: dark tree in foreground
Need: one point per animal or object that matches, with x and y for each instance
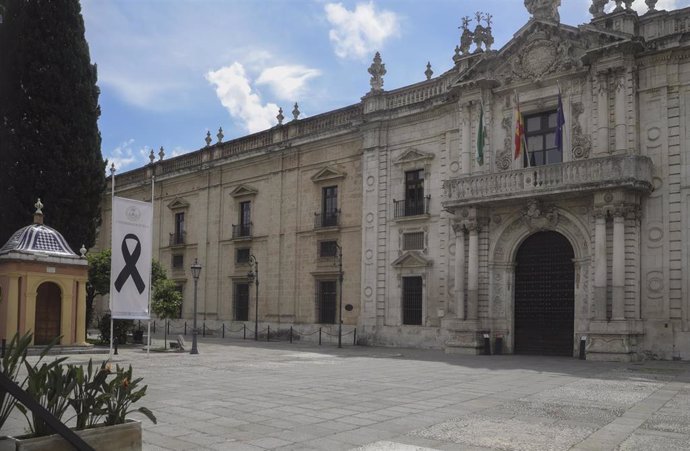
(50, 146)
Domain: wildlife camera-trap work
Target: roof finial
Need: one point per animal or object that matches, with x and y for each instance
(38, 214)
(220, 134)
(545, 9)
(152, 157)
(377, 70)
(208, 138)
(428, 72)
(82, 251)
(295, 112)
(161, 153)
(280, 116)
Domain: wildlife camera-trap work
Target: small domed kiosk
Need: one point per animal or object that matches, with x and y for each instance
(42, 285)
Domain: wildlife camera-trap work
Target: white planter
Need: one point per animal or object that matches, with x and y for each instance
(120, 437)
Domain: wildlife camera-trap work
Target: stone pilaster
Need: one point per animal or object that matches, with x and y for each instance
(600, 264)
(459, 270)
(602, 113)
(473, 271)
(618, 269)
(466, 150)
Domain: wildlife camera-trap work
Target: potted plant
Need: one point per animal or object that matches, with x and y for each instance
(99, 398)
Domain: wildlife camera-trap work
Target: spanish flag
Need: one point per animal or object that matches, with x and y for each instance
(520, 140)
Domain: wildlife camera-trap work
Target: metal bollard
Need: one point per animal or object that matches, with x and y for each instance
(290, 340)
(185, 328)
(354, 338)
(268, 333)
(154, 326)
(223, 330)
(319, 336)
(244, 331)
(115, 345)
(203, 329)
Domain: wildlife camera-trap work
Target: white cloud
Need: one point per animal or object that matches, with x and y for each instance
(122, 156)
(236, 94)
(360, 32)
(287, 82)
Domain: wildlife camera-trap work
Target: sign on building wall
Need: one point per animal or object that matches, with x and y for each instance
(130, 266)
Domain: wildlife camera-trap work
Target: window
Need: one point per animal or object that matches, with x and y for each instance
(241, 304)
(540, 131)
(328, 248)
(329, 206)
(413, 241)
(244, 228)
(178, 237)
(178, 261)
(412, 301)
(326, 301)
(242, 255)
(414, 192)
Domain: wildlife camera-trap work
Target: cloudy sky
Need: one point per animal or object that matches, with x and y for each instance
(169, 70)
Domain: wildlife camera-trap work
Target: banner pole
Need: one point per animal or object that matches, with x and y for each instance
(148, 327)
(112, 218)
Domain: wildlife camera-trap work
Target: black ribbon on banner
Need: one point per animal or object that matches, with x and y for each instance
(130, 269)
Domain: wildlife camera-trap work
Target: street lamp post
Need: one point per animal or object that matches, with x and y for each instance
(253, 276)
(340, 302)
(196, 271)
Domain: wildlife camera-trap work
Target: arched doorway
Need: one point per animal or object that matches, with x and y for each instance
(48, 312)
(544, 295)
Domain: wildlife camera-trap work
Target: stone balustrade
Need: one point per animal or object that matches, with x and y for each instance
(616, 171)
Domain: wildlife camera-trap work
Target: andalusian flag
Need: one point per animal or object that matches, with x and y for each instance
(481, 136)
(520, 140)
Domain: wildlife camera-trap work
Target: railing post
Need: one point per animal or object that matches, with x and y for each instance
(115, 345)
(203, 329)
(268, 333)
(244, 331)
(354, 338)
(185, 328)
(319, 336)
(3, 342)
(223, 330)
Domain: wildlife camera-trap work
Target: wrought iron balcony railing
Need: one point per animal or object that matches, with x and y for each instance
(327, 219)
(178, 239)
(242, 230)
(616, 171)
(409, 207)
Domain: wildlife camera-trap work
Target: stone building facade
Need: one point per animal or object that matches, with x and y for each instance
(579, 242)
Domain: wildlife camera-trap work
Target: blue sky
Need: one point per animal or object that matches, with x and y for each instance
(171, 70)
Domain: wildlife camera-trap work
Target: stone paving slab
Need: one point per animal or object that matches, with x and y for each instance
(243, 395)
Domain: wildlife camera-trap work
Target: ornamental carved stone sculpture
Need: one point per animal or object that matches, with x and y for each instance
(377, 70)
(544, 9)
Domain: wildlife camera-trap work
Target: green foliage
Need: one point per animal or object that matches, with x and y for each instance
(121, 327)
(167, 300)
(96, 396)
(122, 393)
(50, 146)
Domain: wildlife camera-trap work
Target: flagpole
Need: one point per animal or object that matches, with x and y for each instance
(112, 212)
(148, 327)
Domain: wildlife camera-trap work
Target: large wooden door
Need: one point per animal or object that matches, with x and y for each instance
(545, 296)
(48, 311)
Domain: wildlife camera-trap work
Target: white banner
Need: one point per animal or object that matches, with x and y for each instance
(130, 265)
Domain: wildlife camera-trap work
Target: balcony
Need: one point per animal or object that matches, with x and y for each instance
(241, 231)
(328, 219)
(178, 239)
(407, 208)
(617, 171)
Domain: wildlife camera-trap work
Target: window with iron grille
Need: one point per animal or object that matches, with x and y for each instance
(178, 261)
(412, 301)
(245, 217)
(242, 255)
(540, 131)
(329, 206)
(178, 237)
(328, 248)
(326, 291)
(413, 241)
(241, 304)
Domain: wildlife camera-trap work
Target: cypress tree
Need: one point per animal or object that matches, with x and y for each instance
(50, 146)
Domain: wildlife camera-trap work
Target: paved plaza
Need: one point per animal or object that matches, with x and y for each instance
(243, 395)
